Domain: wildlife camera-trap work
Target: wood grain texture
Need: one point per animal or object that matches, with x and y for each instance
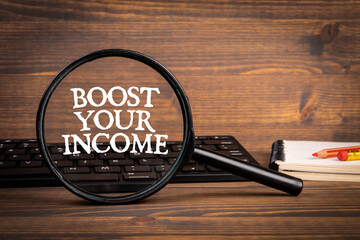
(187, 211)
(257, 70)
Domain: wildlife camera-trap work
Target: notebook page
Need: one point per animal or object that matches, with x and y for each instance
(301, 152)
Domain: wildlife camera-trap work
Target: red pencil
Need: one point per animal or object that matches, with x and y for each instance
(332, 152)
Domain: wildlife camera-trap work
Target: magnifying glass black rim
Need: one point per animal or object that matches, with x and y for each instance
(188, 140)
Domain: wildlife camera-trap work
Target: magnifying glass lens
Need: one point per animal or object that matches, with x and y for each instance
(113, 127)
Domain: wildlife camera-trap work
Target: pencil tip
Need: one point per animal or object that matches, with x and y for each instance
(315, 154)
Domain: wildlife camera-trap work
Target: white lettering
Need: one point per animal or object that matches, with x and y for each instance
(144, 120)
(77, 97)
(149, 90)
(137, 142)
(90, 96)
(160, 143)
(94, 143)
(97, 120)
(113, 143)
(84, 120)
(111, 99)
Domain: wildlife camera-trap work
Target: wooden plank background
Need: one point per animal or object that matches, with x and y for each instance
(237, 210)
(258, 70)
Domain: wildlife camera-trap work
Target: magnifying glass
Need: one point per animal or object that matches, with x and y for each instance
(115, 126)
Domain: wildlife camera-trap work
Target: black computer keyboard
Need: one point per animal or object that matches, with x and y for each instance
(22, 165)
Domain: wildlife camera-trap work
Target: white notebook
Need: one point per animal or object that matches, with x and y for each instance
(295, 158)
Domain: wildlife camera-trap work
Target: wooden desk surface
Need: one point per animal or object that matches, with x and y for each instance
(257, 70)
(327, 210)
(198, 211)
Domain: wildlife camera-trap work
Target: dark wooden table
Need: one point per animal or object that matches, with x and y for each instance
(259, 71)
(211, 211)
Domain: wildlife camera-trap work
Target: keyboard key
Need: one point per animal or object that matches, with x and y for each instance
(57, 149)
(137, 169)
(220, 137)
(140, 176)
(89, 163)
(162, 168)
(193, 169)
(35, 151)
(15, 151)
(57, 157)
(30, 163)
(244, 159)
(236, 154)
(208, 147)
(38, 157)
(93, 177)
(7, 164)
(192, 162)
(198, 142)
(228, 147)
(24, 171)
(176, 148)
(151, 161)
(201, 137)
(28, 145)
(121, 162)
(141, 155)
(170, 155)
(213, 169)
(76, 170)
(106, 156)
(81, 156)
(218, 142)
(19, 157)
(231, 152)
(171, 160)
(107, 169)
(63, 163)
(7, 145)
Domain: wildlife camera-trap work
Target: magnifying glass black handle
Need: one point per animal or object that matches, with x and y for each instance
(256, 173)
